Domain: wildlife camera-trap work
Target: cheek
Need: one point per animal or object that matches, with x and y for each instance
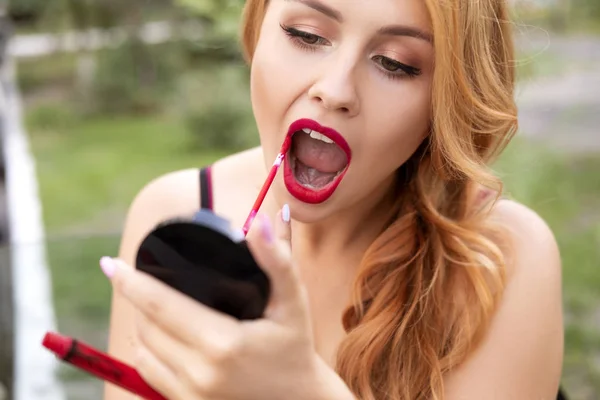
(274, 88)
(262, 94)
(400, 125)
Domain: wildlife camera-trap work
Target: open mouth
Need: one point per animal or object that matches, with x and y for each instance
(316, 161)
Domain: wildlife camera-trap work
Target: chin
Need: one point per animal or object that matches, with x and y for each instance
(302, 211)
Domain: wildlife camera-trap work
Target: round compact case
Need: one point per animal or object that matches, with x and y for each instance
(205, 259)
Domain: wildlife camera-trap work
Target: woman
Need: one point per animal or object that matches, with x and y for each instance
(410, 278)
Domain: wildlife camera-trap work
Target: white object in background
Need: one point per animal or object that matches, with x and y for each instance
(35, 367)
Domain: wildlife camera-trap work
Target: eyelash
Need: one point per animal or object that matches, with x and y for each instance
(299, 38)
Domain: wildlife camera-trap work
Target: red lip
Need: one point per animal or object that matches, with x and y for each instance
(300, 192)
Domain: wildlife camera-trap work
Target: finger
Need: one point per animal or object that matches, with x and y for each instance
(187, 366)
(287, 303)
(168, 350)
(283, 226)
(184, 318)
(159, 376)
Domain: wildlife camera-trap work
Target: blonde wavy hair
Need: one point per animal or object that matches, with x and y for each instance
(429, 284)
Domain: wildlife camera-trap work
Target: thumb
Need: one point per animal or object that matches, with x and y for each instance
(283, 227)
(271, 249)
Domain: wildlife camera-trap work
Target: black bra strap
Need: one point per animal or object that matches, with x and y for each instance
(206, 198)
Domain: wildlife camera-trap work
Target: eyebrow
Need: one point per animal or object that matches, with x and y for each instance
(403, 30)
(322, 8)
(393, 30)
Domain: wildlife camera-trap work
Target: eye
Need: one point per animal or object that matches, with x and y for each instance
(304, 38)
(390, 65)
(395, 68)
(308, 38)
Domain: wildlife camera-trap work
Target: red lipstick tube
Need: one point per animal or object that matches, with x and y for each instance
(99, 364)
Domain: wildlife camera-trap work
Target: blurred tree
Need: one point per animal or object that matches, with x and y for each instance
(220, 26)
(80, 13)
(223, 15)
(110, 13)
(587, 10)
(87, 14)
(26, 11)
(132, 77)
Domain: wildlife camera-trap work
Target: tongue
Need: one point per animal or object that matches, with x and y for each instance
(311, 177)
(324, 157)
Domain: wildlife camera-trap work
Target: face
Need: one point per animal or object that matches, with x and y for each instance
(357, 71)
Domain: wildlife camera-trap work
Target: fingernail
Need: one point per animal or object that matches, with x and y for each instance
(266, 228)
(108, 266)
(238, 235)
(285, 213)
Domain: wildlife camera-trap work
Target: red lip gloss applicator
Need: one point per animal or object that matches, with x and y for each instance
(268, 182)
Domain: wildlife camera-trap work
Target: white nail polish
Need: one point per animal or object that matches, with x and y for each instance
(238, 235)
(285, 213)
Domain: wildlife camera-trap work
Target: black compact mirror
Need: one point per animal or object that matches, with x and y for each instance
(205, 259)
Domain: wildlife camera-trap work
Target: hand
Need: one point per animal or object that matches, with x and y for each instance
(190, 351)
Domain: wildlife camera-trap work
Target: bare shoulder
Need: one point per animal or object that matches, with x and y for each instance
(158, 195)
(521, 354)
(533, 244)
(241, 170)
(237, 179)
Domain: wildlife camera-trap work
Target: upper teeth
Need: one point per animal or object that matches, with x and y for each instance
(317, 135)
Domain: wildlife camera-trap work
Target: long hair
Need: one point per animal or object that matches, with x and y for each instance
(429, 284)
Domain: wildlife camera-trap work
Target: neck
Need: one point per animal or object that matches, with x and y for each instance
(350, 231)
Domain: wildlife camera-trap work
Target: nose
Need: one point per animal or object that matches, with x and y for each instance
(336, 90)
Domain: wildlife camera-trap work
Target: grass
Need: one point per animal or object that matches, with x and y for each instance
(99, 164)
(56, 70)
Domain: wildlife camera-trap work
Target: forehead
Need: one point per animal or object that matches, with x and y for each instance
(370, 12)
